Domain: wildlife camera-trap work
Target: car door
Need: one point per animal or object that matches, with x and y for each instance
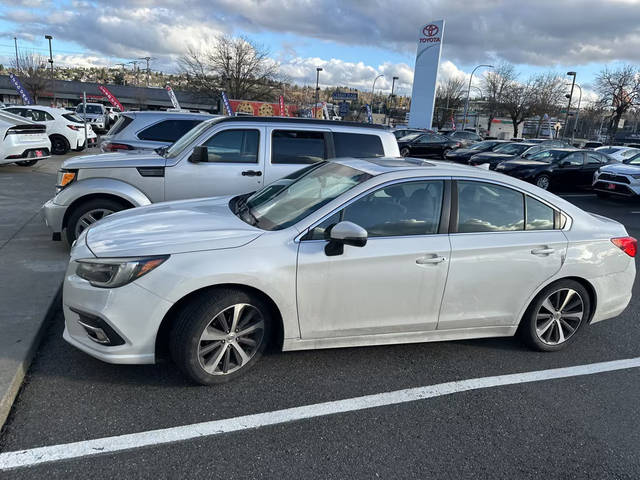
(593, 162)
(392, 284)
(497, 258)
(570, 172)
(235, 165)
(427, 145)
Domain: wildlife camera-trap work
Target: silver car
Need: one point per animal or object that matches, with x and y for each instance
(346, 253)
(148, 131)
(618, 179)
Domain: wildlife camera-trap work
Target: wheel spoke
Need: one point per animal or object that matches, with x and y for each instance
(237, 312)
(547, 304)
(560, 332)
(211, 365)
(211, 333)
(573, 315)
(222, 318)
(209, 348)
(568, 327)
(567, 298)
(244, 358)
(227, 357)
(545, 327)
(247, 341)
(251, 328)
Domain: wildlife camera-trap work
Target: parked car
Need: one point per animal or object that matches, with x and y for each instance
(506, 151)
(147, 131)
(96, 115)
(556, 168)
(220, 156)
(591, 145)
(462, 155)
(113, 114)
(65, 129)
(426, 145)
(618, 152)
(339, 257)
(24, 142)
(401, 132)
(465, 137)
(619, 179)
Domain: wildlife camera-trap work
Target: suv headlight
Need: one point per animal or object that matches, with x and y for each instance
(116, 272)
(65, 178)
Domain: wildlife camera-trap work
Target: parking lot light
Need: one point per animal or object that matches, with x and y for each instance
(318, 70)
(53, 87)
(466, 105)
(566, 118)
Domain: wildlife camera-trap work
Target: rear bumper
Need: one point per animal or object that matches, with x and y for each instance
(613, 293)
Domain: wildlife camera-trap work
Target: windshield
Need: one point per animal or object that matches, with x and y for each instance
(411, 136)
(633, 161)
(184, 141)
(90, 109)
(293, 198)
(549, 156)
(483, 145)
(511, 148)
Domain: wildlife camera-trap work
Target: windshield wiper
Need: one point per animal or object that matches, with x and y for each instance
(244, 211)
(162, 150)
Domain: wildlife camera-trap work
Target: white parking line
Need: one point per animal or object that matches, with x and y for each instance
(27, 458)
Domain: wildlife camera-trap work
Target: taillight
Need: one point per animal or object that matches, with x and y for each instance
(628, 245)
(113, 147)
(74, 127)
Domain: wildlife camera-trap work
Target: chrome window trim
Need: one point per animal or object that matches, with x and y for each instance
(306, 230)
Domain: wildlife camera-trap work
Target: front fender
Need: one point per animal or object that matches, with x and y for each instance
(104, 186)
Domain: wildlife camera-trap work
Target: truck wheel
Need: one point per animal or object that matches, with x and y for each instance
(88, 213)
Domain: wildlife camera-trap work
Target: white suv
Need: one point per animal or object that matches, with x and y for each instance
(221, 156)
(65, 129)
(22, 141)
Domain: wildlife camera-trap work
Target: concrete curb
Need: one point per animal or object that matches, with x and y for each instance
(10, 393)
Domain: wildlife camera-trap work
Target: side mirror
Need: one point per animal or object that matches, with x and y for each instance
(199, 154)
(345, 233)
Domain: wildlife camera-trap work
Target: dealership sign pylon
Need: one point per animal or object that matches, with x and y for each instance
(425, 74)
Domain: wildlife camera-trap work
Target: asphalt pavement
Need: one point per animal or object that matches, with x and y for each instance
(577, 427)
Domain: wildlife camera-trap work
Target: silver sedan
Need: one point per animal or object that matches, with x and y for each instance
(342, 254)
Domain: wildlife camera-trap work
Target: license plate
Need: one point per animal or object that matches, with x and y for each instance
(611, 186)
(34, 153)
(38, 153)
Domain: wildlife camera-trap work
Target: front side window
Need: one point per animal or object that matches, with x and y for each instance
(298, 147)
(233, 146)
(357, 145)
(539, 215)
(283, 207)
(595, 159)
(430, 138)
(575, 159)
(511, 148)
(168, 130)
(483, 207)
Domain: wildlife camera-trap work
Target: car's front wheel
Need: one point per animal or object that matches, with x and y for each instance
(88, 213)
(219, 335)
(543, 181)
(555, 315)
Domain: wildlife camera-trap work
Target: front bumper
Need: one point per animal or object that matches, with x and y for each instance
(53, 215)
(614, 186)
(133, 313)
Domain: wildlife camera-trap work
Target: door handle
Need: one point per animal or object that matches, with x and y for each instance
(542, 251)
(252, 173)
(430, 260)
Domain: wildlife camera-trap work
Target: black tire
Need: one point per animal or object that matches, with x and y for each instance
(543, 181)
(83, 208)
(27, 163)
(528, 325)
(444, 153)
(59, 145)
(405, 152)
(191, 322)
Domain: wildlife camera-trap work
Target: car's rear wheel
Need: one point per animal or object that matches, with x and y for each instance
(555, 316)
(220, 335)
(405, 152)
(59, 145)
(444, 153)
(27, 163)
(88, 213)
(543, 181)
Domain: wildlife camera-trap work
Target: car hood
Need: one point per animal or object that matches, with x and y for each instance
(622, 168)
(115, 160)
(170, 227)
(490, 155)
(461, 152)
(521, 162)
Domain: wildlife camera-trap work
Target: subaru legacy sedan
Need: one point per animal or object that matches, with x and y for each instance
(343, 253)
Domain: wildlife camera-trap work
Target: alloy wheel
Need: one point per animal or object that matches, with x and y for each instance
(231, 339)
(543, 182)
(58, 146)
(559, 316)
(405, 152)
(89, 218)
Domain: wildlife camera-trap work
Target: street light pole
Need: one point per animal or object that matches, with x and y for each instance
(318, 70)
(15, 42)
(373, 88)
(53, 86)
(575, 121)
(566, 118)
(386, 114)
(466, 105)
(147, 59)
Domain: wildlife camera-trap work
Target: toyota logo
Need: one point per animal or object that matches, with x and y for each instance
(430, 30)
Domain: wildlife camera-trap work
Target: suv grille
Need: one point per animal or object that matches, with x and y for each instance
(613, 178)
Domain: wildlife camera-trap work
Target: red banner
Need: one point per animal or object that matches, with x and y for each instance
(283, 112)
(114, 101)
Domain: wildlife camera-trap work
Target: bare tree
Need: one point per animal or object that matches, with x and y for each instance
(494, 84)
(517, 101)
(547, 95)
(33, 73)
(621, 90)
(236, 65)
(449, 98)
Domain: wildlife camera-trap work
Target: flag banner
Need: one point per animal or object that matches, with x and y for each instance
(17, 84)
(172, 97)
(325, 112)
(283, 111)
(262, 109)
(453, 123)
(112, 99)
(369, 114)
(227, 105)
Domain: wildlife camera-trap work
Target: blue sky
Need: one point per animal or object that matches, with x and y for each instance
(352, 40)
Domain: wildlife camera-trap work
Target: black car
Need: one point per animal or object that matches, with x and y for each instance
(462, 155)
(506, 151)
(426, 145)
(465, 137)
(557, 168)
(400, 132)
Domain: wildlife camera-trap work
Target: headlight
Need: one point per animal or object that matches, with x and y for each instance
(636, 175)
(65, 177)
(116, 272)
(100, 119)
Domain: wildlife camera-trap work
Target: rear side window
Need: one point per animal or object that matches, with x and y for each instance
(595, 158)
(233, 146)
(168, 130)
(298, 147)
(539, 215)
(72, 117)
(574, 159)
(120, 125)
(357, 145)
(483, 207)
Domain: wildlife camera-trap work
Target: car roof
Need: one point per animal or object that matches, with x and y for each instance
(164, 113)
(41, 107)
(301, 121)
(380, 165)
